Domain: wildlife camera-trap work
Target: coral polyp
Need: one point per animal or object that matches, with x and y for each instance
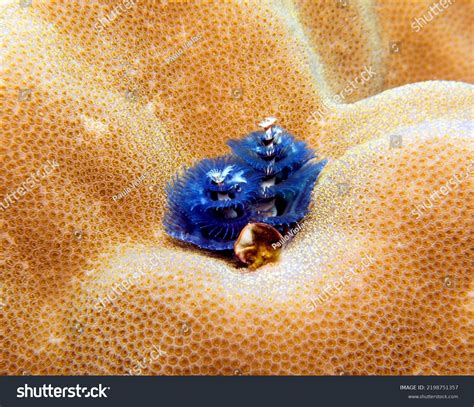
(269, 179)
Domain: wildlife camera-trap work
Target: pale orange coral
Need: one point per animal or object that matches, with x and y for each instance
(91, 285)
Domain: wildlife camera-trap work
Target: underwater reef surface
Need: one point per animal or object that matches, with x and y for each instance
(102, 105)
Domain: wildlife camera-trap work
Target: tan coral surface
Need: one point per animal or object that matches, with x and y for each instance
(90, 284)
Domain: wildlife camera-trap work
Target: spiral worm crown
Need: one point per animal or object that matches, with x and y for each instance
(268, 179)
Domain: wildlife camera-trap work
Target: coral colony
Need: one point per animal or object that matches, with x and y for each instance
(268, 179)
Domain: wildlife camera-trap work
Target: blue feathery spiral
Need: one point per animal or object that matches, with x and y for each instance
(271, 152)
(211, 203)
(268, 179)
(286, 174)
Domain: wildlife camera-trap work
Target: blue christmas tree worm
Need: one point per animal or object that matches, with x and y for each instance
(286, 174)
(211, 202)
(268, 179)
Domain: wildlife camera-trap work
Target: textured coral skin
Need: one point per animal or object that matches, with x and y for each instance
(66, 244)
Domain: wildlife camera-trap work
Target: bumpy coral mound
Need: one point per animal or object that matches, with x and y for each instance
(379, 279)
(425, 40)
